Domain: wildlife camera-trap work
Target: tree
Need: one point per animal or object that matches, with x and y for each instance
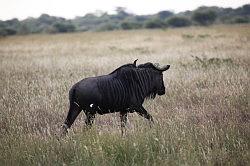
(46, 19)
(121, 13)
(164, 14)
(244, 10)
(204, 17)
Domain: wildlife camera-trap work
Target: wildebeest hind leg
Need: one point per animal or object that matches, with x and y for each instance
(74, 111)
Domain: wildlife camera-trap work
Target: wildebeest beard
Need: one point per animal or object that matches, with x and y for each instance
(151, 96)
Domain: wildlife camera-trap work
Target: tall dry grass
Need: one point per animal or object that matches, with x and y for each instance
(203, 119)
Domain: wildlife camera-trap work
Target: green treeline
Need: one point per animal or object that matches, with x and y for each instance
(203, 16)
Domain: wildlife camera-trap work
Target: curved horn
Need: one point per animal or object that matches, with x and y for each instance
(135, 62)
(164, 68)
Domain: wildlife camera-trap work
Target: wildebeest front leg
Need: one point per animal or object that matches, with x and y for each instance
(124, 118)
(141, 111)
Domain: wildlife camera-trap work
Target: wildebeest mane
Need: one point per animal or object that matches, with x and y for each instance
(123, 66)
(127, 82)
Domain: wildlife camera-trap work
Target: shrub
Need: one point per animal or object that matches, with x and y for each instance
(24, 29)
(178, 22)
(241, 20)
(107, 27)
(7, 31)
(64, 27)
(130, 25)
(156, 23)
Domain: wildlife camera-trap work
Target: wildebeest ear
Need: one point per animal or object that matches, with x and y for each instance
(135, 62)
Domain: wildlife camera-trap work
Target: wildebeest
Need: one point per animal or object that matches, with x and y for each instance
(124, 90)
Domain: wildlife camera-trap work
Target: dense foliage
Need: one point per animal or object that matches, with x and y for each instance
(101, 21)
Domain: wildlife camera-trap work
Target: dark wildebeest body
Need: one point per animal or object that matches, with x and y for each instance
(124, 90)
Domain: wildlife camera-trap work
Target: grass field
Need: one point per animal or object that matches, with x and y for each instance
(203, 119)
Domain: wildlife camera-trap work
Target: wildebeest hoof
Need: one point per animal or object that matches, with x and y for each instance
(63, 132)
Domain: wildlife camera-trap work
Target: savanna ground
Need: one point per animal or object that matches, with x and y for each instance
(203, 119)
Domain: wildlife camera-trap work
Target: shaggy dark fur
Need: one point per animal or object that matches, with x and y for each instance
(124, 90)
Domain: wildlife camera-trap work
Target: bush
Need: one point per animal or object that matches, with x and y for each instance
(241, 20)
(7, 31)
(49, 29)
(64, 27)
(204, 17)
(130, 25)
(152, 24)
(178, 22)
(107, 27)
(24, 29)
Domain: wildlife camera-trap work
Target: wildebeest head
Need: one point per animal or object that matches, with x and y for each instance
(158, 82)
